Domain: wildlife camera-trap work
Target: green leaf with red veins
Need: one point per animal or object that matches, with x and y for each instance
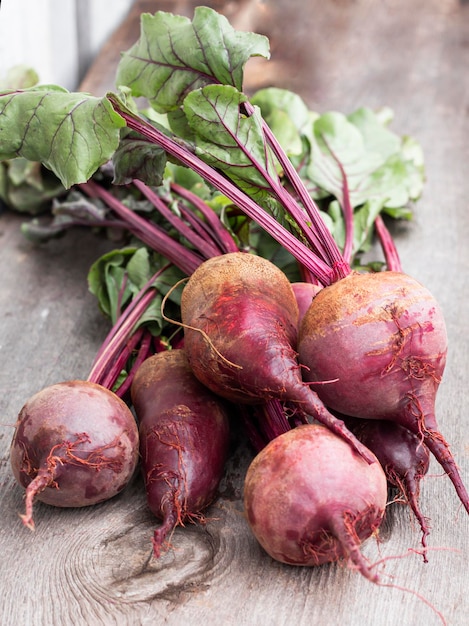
(137, 158)
(227, 139)
(175, 55)
(72, 134)
(378, 164)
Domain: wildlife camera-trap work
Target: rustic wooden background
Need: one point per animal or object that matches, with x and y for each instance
(94, 565)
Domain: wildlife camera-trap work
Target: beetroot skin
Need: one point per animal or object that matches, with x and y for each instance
(304, 294)
(310, 499)
(379, 340)
(404, 458)
(184, 439)
(240, 319)
(75, 444)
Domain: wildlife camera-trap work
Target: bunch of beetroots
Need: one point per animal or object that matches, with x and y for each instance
(362, 357)
(377, 340)
(358, 346)
(242, 347)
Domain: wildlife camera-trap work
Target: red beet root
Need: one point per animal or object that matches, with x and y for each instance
(304, 294)
(380, 339)
(240, 320)
(309, 499)
(75, 444)
(184, 437)
(403, 456)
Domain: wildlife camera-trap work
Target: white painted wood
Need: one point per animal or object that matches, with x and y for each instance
(58, 38)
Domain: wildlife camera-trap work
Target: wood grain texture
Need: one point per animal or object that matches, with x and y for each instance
(94, 565)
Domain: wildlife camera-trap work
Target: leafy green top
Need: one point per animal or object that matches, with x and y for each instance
(175, 55)
(191, 72)
(72, 134)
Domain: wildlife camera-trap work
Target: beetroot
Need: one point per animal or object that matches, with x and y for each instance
(309, 499)
(304, 294)
(380, 340)
(75, 444)
(404, 458)
(240, 320)
(184, 439)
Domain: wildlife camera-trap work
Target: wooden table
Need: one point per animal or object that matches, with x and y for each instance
(94, 565)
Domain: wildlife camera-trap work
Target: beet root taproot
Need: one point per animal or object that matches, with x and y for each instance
(404, 458)
(240, 319)
(310, 499)
(380, 340)
(75, 444)
(184, 441)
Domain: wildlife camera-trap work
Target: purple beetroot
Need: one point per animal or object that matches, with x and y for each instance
(75, 444)
(184, 440)
(240, 319)
(404, 458)
(304, 294)
(377, 342)
(309, 499)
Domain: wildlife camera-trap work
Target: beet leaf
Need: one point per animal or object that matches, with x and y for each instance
(175, 55)
(70, 133)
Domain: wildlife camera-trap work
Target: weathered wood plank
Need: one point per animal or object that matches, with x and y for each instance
(94, 566)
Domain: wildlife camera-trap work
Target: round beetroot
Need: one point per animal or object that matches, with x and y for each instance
(75, 444)
(310, 499)
(380, 342)
(304, 294)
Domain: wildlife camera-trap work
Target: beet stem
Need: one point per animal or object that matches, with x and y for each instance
(388, 246)
(282, 235)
